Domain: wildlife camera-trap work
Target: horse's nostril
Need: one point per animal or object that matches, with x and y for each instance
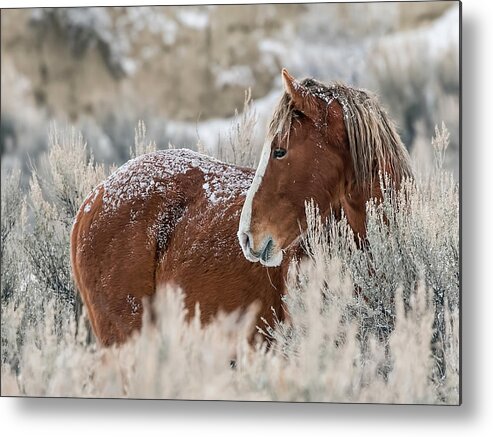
(266, 253)
(246, 240)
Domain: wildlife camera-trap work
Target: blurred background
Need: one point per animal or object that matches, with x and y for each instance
(184, 70)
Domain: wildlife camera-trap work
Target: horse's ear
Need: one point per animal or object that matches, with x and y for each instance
(301, 97)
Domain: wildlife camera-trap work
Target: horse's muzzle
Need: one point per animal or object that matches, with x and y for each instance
(265, 255)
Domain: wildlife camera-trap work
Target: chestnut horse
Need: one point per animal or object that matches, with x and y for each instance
(176, 216)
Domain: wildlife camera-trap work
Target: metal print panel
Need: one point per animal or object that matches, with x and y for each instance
(232, 202)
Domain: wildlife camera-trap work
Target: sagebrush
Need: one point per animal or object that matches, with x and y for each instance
(371, 322)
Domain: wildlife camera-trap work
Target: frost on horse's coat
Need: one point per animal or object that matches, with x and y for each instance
(173, 217)
(166, 217)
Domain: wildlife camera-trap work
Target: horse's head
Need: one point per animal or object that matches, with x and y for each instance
(310, 153)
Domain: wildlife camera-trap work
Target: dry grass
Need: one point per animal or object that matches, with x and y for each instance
(372, 325)
(240, 149)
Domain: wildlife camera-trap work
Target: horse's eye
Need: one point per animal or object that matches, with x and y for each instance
(279, 153)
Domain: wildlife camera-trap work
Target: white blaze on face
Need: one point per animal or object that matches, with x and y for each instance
(246, 212)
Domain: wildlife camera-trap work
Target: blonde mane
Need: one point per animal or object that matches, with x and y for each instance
(374, 144)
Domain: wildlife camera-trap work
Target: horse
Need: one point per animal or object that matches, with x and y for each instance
(222, 233)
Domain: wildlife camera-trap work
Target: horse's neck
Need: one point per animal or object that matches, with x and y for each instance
(355, 211)
(354, 205)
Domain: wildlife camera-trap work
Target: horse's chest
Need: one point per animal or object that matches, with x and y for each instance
(205, 260)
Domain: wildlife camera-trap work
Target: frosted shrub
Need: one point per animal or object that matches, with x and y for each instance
(241, 149)
(170, 358)
(55, 196)
(322, 358)
(41, 242)
(11, 206)
(11, 278)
